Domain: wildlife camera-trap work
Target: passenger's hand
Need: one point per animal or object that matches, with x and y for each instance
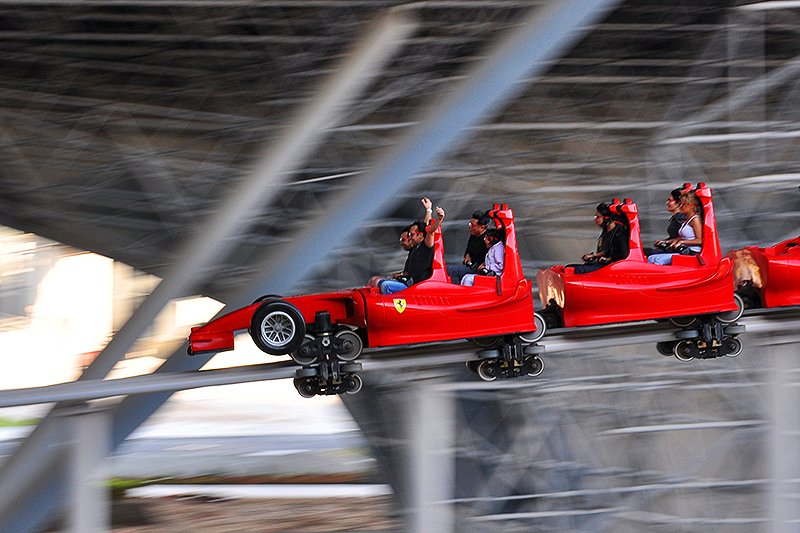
(440, 212)
(586, 257)
(426, 203)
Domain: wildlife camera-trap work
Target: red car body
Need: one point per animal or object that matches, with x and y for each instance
(773, 272)
(633, 289)
(428, 311)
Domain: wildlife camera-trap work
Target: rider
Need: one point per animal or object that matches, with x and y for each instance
(419, 264)
(475, 252)
(690, 235)
(495, 257)
(612, 245)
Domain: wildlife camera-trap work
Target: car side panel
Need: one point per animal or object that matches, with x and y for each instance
(437, 311)
(631, 290)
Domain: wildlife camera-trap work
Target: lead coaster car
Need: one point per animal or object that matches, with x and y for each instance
(325, 332)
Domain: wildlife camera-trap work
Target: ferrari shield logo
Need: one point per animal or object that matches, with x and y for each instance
(399, 305)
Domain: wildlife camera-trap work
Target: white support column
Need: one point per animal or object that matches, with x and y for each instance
(89, 505)
(784, 438)
(431, 428)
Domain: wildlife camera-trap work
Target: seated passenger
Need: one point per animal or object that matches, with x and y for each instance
(406, 243)
(673, 204)
(612, 245)
(690, 235)
(419, 263)
(495, 257)
(475, 251)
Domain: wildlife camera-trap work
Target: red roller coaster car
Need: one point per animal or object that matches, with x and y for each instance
(325, 333)
(768, 277)
(633, 289)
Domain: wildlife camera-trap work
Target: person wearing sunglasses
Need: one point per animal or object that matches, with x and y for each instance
(419, 263)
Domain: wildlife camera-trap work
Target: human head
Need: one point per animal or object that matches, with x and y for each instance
(673, 202)
(405, 238)
(602, 214)
(417, 232)
(492, 236)
(478, 223)
(690, 203)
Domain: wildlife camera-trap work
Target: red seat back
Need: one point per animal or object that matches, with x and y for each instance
(503, 218)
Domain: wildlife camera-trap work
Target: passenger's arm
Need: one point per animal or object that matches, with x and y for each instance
(428, 205)
(430, 235)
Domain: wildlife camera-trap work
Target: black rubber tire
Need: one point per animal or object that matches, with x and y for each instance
(683, 351)
(732, 316)
(278, 328)
(354, 383)
(350, 367)
(266, 297)
(487, 343)
(733, 347)
(682, 321)
(541, 329)
(534, 349)
(351, 343)
(300, 358)
(738, 329)
(537, 366)
(665, 348)
(307, 387)
(487, 370)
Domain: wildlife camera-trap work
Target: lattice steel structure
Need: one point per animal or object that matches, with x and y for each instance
(125, 125)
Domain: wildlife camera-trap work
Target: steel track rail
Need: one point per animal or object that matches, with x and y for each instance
(782, 324)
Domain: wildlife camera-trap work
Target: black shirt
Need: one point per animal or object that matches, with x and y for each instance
(675, 222)
(614, 243)
(476, 249)
(420, 263)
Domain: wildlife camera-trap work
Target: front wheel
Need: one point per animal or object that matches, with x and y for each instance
(278, 328)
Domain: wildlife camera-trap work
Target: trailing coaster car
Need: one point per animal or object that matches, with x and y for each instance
(325, 333)
(768, 277)
(695, 293)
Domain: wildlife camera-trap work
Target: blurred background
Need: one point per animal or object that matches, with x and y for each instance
(224, 150)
